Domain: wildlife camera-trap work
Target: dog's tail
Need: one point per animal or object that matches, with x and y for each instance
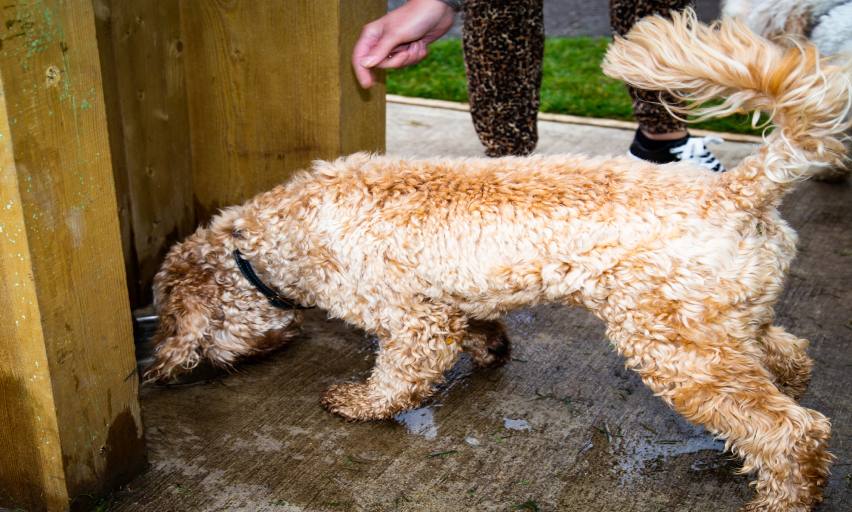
(806, 97)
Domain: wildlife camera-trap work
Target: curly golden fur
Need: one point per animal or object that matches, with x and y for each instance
(828, 25)
(682, 264)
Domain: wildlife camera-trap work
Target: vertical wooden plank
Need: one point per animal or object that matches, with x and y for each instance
(144, 41)
(109, 81)
(66, 352)
(259, 93)
(270, 90)
(362, 112)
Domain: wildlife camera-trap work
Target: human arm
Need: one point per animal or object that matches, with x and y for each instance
(400, 37)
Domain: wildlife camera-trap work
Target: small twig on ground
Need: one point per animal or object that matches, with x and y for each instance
(649, 429)
(443, 455)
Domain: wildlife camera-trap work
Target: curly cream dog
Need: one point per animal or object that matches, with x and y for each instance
(683, 265)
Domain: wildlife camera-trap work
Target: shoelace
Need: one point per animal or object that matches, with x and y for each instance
(694, 150)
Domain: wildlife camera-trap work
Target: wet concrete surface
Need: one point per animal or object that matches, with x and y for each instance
(567, 18)
(563, 426)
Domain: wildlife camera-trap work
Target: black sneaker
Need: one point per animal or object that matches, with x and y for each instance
(687, 149)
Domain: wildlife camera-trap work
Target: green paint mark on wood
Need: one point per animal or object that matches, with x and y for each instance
(48, 16)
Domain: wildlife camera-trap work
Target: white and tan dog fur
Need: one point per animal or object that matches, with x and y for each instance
(826, 23)
(683, 265)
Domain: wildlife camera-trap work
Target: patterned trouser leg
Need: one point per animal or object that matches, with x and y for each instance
(649, 113)
(503, 48)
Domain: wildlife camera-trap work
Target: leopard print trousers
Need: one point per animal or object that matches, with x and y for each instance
(503, 47)
(651, 115)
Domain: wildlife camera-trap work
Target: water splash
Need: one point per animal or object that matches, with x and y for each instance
(419, 422)
(638, 453)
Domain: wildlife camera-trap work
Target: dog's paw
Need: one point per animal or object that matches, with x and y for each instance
(794, 390)
(352, 401)
(488, 345)
(795, 376)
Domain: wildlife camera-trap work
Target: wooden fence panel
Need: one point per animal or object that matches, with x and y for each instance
(270, 90)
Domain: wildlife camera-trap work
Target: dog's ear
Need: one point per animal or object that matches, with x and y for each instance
(180, 340)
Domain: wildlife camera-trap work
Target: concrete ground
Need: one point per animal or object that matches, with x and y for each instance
(563, 426)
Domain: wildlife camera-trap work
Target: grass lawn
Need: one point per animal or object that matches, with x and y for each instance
(572, 81)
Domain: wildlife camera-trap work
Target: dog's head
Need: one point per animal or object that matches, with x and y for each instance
(209, 311)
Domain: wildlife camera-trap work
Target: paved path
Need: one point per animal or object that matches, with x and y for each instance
(562, 427)
(421, 132)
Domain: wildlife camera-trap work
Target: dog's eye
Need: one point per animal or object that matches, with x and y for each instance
(237, 233)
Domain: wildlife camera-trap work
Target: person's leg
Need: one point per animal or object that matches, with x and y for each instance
(660, 138)
(653, 118)
(503, 48)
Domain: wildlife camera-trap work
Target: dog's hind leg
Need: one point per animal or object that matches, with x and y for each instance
(416, 348)
(730, 393)
(487, 343)
(784, 356)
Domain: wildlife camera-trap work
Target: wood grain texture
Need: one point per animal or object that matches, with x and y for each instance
(109, 80)
(28, 430)
(66, 352)
(142, 55)
(270, 90)
(362, 112)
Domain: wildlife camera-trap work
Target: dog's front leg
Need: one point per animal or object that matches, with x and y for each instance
(412, 359)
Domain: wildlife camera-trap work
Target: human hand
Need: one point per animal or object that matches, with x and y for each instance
(399, 38)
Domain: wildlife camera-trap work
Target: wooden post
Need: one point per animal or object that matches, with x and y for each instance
(271, 89)
(70, 424)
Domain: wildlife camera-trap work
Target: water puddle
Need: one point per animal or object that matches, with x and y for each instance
(419, 422)
(516, 424)
(639, 453)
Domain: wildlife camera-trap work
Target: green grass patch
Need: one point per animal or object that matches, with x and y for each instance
(572, 81)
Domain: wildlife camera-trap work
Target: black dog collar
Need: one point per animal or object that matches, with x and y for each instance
(275, 298)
